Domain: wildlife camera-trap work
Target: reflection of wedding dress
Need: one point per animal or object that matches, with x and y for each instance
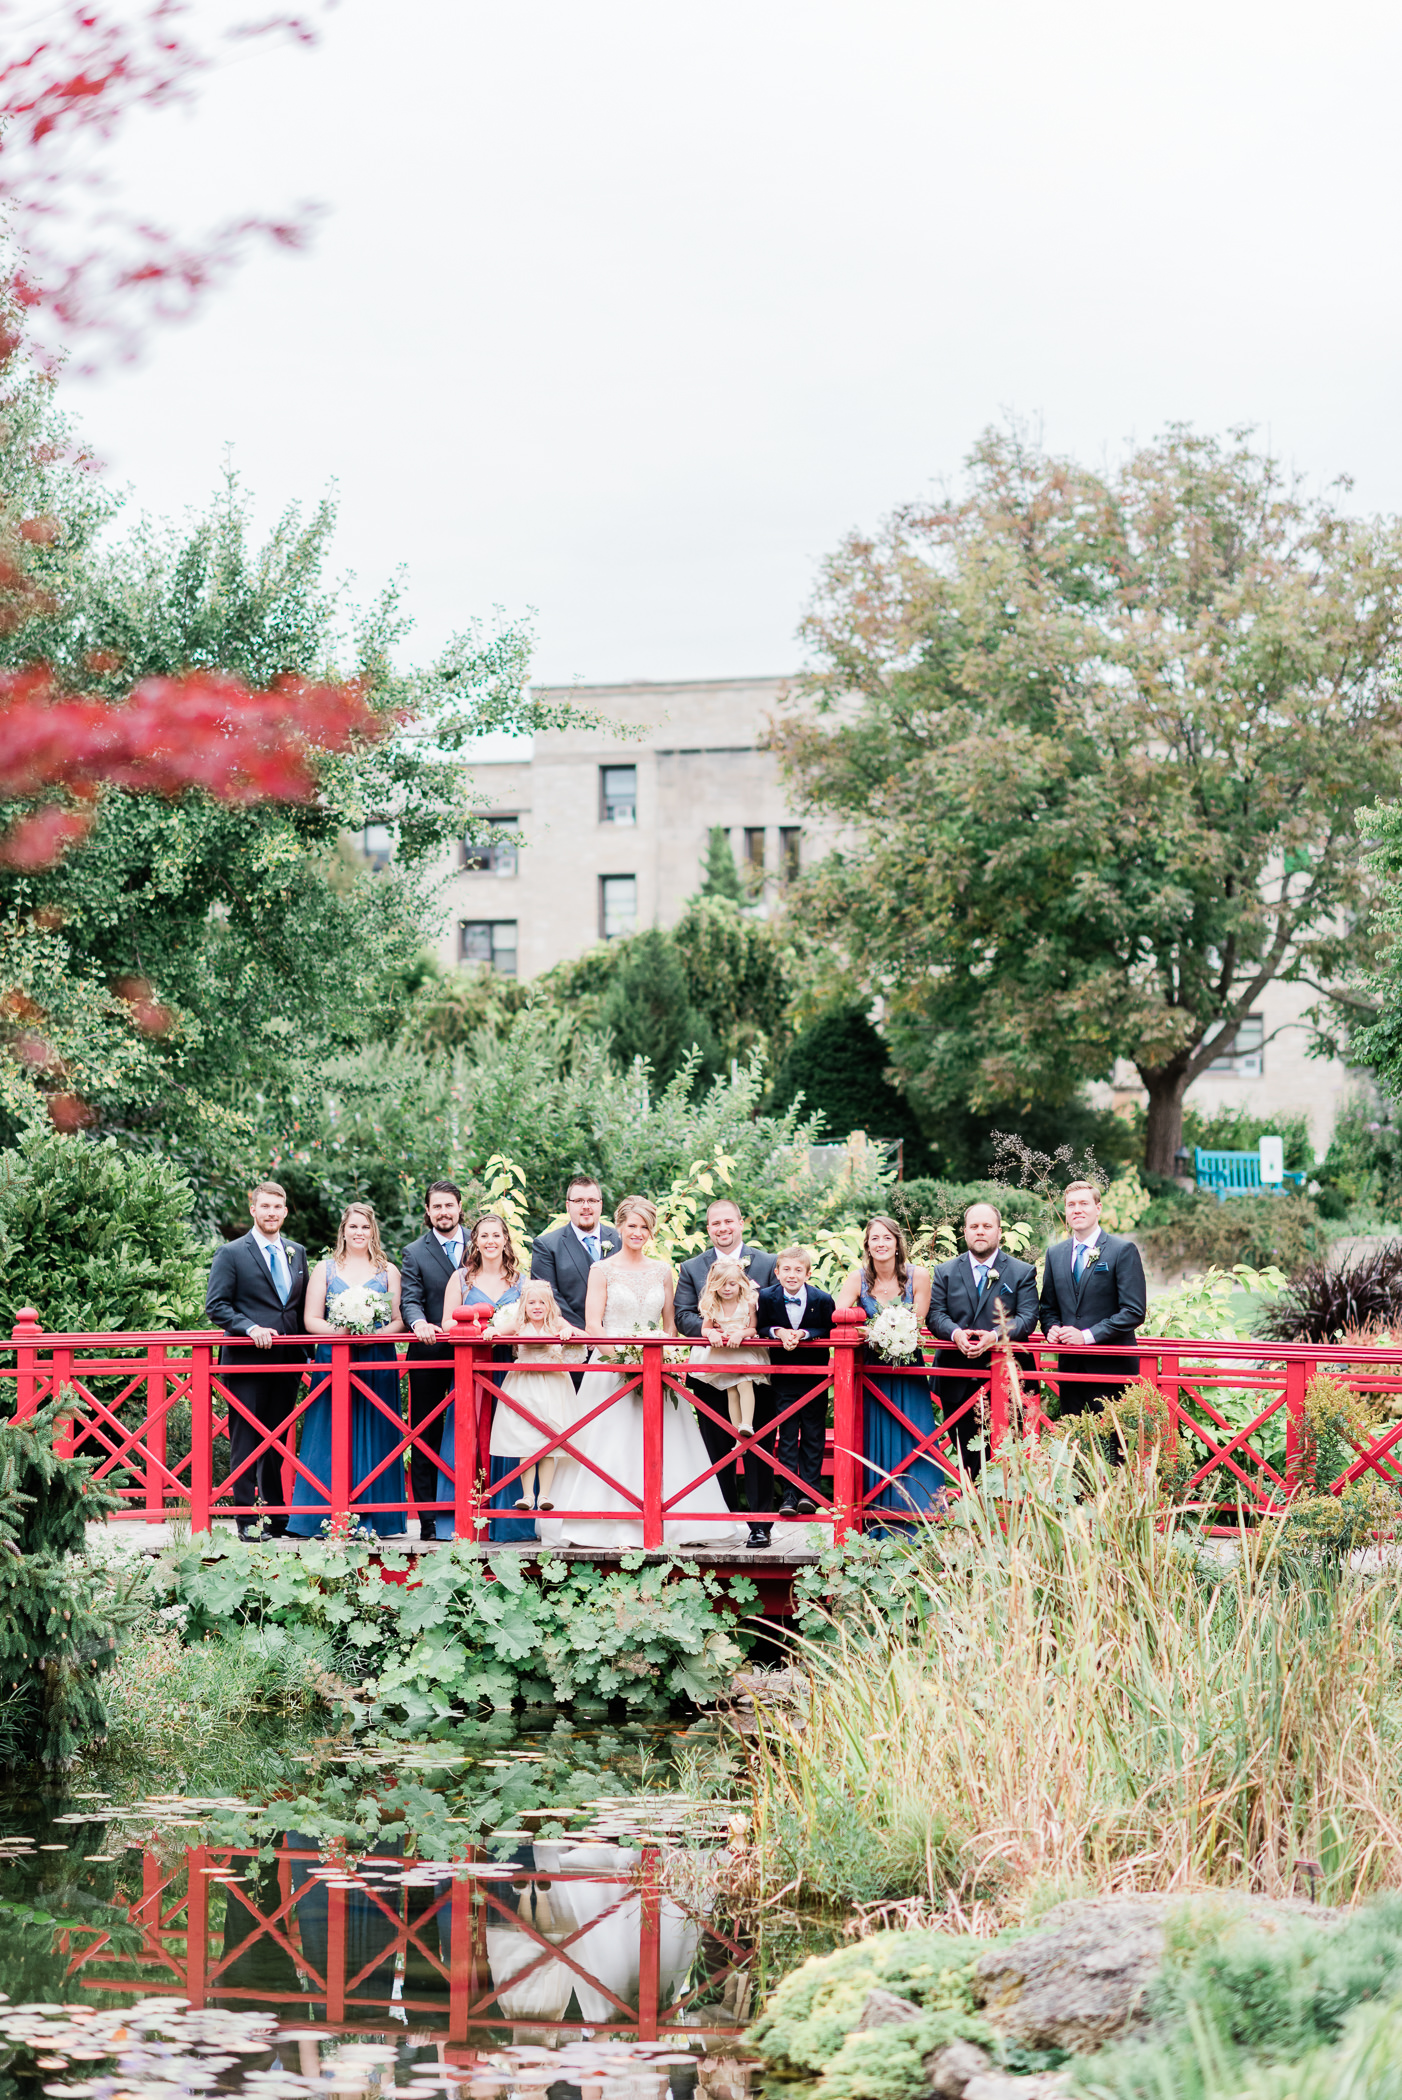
(609, 1950)
(544, 1992)
(613, 1441)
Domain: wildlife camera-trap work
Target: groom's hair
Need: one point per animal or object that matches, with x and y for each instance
(440, 1188)
(267, 1188)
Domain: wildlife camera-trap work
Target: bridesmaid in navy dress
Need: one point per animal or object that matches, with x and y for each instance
(490, 1276)
(886, 1276)
(359, 1259)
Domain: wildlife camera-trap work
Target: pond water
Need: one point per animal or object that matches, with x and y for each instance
(141, 1953)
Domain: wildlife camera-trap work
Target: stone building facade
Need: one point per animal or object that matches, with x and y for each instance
(614, 822)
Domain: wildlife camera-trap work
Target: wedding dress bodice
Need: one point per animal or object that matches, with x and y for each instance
(634, 1305)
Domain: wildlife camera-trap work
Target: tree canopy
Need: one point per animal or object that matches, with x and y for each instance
(1100, 739)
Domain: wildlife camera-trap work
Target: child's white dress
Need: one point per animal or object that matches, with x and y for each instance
(546, 1393)
(706, 1364)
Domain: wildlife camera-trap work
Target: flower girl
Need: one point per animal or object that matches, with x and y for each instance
(728, 1302)
(532, 1322)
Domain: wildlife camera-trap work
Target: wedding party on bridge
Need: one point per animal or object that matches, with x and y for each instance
(745, 1437)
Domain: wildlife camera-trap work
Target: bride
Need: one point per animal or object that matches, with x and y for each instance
(630, 1294)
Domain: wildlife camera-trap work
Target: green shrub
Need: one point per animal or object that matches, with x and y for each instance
(923, 1205)
(96, 1238)
(461, 1634)
(167, 1699)
(1363, 1166)
(838, 1065)
(1262, 1231)
(810, 2022)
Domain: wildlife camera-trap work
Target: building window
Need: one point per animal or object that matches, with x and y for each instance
(490, 942)
(492, 860)
(377, 844)
(618, 906)
(754, 851)
(1246, 1058)
(618, 794)
(789, 836)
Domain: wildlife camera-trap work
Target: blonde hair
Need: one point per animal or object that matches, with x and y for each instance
(509, 1319)
(637, 1206)
(795, 1254)
(376, 1251)
(710, 1299)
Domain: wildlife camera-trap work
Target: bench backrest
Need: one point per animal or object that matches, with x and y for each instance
(1227, 1170)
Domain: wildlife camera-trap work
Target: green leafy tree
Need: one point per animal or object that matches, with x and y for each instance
(719, 875)
(97, 1238)
(839, 1066)
(1101, 738)
(648, 1010)
(741, 972)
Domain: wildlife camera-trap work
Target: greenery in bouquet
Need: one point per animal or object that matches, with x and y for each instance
(357, 1309)
(894, 1333)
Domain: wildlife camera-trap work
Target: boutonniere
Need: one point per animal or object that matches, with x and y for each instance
(993, 1275)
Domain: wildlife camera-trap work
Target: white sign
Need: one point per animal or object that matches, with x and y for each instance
(1272, 1162)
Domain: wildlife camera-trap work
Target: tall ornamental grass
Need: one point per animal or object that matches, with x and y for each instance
(1079, 1697)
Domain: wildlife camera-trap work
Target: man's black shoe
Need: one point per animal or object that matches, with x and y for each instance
(807, 1507)
(789, 1508)
(274, 1527)
(759, 1535)
(250, 1533)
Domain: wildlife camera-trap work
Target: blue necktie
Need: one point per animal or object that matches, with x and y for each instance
(980, 1276)
(453, 1249)
(591, 1241)
(1078, 1262)
(282, 1276)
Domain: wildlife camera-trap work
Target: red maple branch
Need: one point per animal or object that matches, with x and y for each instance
(203, 730)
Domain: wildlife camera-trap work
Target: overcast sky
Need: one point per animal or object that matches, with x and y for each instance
(628, 311)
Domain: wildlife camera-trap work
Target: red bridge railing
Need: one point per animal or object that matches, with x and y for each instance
(354, 1943)
(155, 1409)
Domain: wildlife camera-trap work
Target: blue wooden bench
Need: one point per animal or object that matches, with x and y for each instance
(1235, 1173)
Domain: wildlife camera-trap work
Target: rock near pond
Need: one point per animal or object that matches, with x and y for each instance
(1081, 1979)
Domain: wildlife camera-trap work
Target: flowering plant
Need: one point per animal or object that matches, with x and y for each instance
(358, 1309)
(894, 1333)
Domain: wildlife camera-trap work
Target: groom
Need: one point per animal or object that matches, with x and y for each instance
(726, 1228)
(258, 1288)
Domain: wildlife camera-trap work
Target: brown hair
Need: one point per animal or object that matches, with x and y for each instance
(639, 1205)
(583, 1181)
(983, 1204)
(902, 1252)
(710, 1299)
(377, 1252)
(794, 1254)
(1088, 1186)
(267, 1188)
(509, 1320)
(472, 1254)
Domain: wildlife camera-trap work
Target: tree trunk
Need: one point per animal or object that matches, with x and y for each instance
(1164, 1134)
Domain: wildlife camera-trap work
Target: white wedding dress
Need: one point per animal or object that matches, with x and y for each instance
(614, 1441)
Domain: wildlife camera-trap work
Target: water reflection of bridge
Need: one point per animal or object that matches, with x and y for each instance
(474, 1952)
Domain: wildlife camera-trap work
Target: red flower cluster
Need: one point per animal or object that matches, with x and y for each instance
(203, 730)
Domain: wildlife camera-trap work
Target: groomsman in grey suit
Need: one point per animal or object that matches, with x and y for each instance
(965, 1295)
(727, 1230)
(425, 1267)
(564, 1257)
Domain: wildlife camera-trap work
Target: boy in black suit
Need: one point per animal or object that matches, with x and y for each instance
(964, 1296)
(796, 1319)
(1093, 1294)
(258, 1288)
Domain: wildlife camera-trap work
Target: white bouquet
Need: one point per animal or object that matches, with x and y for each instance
(357, 1309)
(894, 1333)
(632, 1352)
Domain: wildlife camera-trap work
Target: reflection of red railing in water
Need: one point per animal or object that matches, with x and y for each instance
(123, 1389)
(443, 1938)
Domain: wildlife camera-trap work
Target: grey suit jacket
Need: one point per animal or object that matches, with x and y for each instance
(242, 1294)
(691, 1281)
(1111, 1298)
(954, 1304)
(558, 1259)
